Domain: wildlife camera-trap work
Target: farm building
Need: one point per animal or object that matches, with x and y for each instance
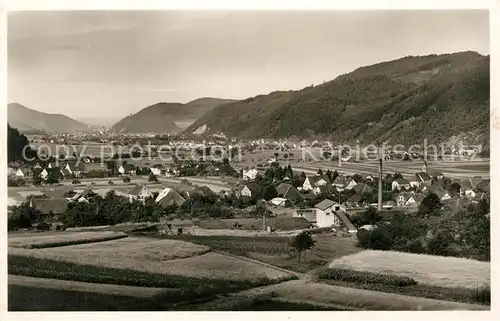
(330, 213)
(49, 206)
(169, 196)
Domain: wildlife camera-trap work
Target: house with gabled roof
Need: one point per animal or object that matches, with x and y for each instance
(466, 190)
(400, 184)
(139, 192)
(313, 182)
(289, 192)
(248, 190)
(484, 186)
(362, 188)
(168, 196)
(332, 214)
(350, 184)
(440, 192)
(423, 177)
(339, 182)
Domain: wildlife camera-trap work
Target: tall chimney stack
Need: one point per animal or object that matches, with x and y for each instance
(379, 207)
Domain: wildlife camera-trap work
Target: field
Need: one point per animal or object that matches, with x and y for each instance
(61, 239)
(448, 272)
(275, 250)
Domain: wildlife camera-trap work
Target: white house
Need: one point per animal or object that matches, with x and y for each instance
(400, 183)
(279, 201)
(169, 196)
(313, 183)
(414, 183)
(44, 174)
(250, 174)
(19, 173)
(155, 171)
(350, 184)
(248, 191)
(139, 192)
(332, 214)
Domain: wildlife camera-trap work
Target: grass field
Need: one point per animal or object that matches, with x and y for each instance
(275, 250)
(156, 256)
(448, 272)
(62, 239)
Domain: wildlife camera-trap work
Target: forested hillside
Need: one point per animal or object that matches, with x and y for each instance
(401, 101)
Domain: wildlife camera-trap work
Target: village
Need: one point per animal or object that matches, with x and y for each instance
(322, 198)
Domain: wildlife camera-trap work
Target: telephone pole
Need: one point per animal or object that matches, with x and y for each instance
(380, 180)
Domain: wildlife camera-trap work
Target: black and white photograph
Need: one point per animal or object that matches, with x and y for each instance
(248, 160)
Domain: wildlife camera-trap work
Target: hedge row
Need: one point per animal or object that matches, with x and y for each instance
(363, 277)
(74, 242)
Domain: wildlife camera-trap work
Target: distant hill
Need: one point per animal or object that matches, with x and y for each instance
(29, 120)
(164, 117)
(401, 101)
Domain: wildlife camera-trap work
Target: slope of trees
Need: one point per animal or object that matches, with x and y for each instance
(16, 142)
(439, 96)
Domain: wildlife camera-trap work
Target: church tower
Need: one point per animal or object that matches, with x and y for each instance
(424, 167)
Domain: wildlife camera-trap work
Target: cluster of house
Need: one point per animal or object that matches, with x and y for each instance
(73, 169)
(55, 201)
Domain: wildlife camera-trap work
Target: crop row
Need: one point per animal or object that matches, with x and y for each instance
(364, 277)
(191, 286)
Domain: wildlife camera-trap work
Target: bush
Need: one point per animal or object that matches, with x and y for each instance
(362, 277)
(377, 239)
(482, 294)
(76, 182)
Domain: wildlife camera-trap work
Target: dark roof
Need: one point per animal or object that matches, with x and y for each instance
(345, 220)
(137, 190)
(50, 205)
(402, 181)
(341, 180)
(172, 197)
(355, 198)
(439, 190)
(423, 176)
(362, 188)
(474, 181)
(129, 167)
(252, 187)
(314, 179)
(484, 186)
(324, 204)
(288, 191)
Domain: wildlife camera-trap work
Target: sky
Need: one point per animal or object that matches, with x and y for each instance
(109, 64)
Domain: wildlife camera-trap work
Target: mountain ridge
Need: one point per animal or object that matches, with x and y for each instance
(26, 119)
(410, 98)
(162, 117)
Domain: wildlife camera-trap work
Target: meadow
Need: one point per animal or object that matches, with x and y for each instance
(448, 272)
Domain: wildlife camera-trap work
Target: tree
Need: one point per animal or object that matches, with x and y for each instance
(153, 178)
(285, 156)
(302, 242)
(335, 175)
(368, 217)
(126, 179)
(276, 155)
(75, 182)
(431, 205)
(454, 188)
(111, 166)
(270, 192)
(320, 172)
(52, 178)
(397, 175)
